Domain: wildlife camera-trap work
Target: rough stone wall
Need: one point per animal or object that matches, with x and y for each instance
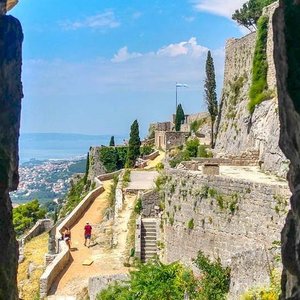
(290, 145)
(96, 168)
(11, 38)
(240, 216)
(238, 130)
(149, 201)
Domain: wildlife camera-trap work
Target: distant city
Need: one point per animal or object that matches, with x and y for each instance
(46, 180)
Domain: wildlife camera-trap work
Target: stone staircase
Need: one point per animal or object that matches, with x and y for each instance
(148, 239)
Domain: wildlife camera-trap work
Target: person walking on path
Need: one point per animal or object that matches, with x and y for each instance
(87, 234)
(67, 236)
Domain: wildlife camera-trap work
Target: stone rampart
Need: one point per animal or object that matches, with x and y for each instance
(53, 270)
(39, 227)
(150, 200)
(239, 130)
(223, 217)
(152, 155)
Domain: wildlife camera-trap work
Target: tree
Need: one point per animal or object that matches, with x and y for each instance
(210, 93)
(179, 117)
(133, 145)
(250, 12)
(87, 167)
(25, 215)
(112, 141)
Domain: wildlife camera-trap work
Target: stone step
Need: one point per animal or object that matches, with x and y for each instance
(149, 234)
(149, 242)
(148, 230)
(149, 251)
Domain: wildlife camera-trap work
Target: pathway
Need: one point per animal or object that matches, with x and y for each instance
(142, 180)
(105, 261)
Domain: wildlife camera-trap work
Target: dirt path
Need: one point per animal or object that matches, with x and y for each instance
(105, 261)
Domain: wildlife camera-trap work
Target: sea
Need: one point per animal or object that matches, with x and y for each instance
(59, 146)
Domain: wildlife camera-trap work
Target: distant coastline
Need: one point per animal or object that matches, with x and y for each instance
(59, 146)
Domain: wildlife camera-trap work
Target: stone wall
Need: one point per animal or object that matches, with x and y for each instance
(39, 227)
(11, 38)
(238, 130)
(229, 217)
(150, 200)
(53, 270)
(96, 168)
(166, 140)
(99, 283)
(284, 42)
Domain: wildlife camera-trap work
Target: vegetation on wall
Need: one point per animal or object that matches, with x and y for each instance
(76, 193)
(126, 178)
(259, 86)
(210, 93)
(26, 215)
(191, 149)
(215, 282)
(146, 150)
(87, 167)
(292, 37)
(249, 14)
(197, 124)
(155, 280)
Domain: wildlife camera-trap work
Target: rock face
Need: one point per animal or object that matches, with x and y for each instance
(238, 131)
(96, 167)
(290, 145)
(11, 38)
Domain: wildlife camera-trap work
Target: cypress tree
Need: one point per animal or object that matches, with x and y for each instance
(179, 117)
(133, 145)
(210, 93)
(87, 167)
(112, 141)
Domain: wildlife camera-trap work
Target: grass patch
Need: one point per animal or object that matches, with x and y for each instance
(34, 252)
(112, 192)
(126, 178)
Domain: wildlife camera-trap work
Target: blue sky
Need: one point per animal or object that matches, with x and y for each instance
(94, 66)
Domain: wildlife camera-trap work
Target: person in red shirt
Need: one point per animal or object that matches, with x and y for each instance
(87, 233)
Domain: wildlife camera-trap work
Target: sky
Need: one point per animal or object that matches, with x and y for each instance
(93, 67)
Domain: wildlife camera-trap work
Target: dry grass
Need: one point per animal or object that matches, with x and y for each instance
(34, 253)
(152, 163)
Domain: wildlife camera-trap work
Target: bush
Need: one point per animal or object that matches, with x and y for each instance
(138, 206)
(191, 224)
(146, 150)
(203, 152)
(26, 215)
(160, 166)
(192, 147)
(215, 282)
(154, 280)
(126, 178)
(113, 158)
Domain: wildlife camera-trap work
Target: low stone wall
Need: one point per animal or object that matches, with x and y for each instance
(107, 176)
(119, 193)
(53, 270)
(223, 217)
(39, 227)
(152, 155)
(138, 236)
(99, 283)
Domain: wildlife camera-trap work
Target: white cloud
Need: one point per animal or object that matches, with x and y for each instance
(218, 7)
(189, 19)
(106, 20)
(189, 47)
(124, 55)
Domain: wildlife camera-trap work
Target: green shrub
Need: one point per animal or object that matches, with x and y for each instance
(160, 182)
(259, 86)
(138, 206)
(126, 178)
(113, 158)
(154, 281)
(112, 192)
(197, 124)
(191, 224)
(146, 150)
(192, 147)
(203, 152)
(26, 215)
(215, 282)
(160, 166)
